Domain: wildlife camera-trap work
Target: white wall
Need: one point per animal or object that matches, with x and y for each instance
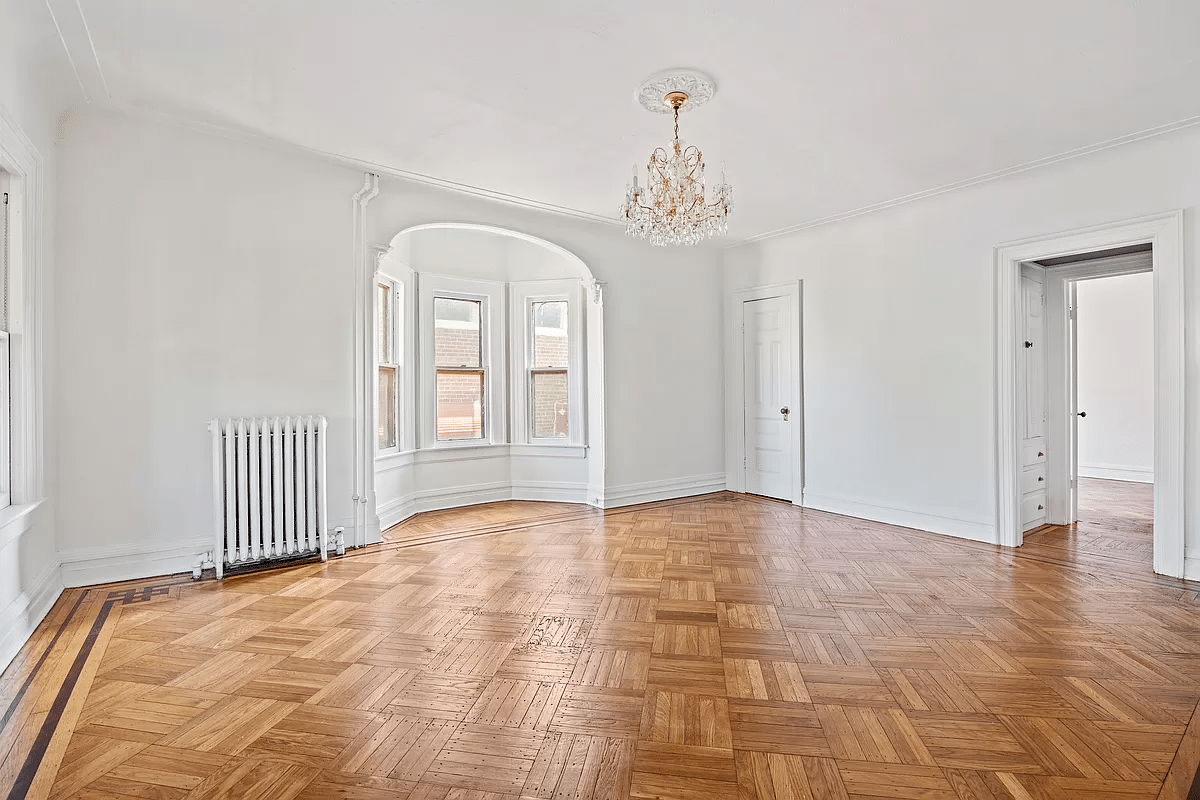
(200, 277)
(1115, 318)
(203, 276)
(898, 329)
(34, 89)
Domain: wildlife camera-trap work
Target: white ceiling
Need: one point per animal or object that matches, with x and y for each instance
(821, 108)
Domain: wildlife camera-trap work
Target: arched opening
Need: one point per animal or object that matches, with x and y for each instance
(488, 372)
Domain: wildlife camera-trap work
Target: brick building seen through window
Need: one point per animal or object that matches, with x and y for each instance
(461, 379)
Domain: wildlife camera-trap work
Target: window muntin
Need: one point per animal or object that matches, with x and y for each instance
(459, 375)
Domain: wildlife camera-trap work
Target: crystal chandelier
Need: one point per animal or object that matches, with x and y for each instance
(674, 207)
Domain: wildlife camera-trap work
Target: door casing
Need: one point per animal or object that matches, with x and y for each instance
(1164, 232)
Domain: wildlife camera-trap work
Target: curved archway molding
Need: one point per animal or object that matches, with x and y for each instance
(395, 486)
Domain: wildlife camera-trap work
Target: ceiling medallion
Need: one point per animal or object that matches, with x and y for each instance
(672, 208)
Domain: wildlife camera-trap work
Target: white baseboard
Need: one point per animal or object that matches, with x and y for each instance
(1191, 568)
(652, 491)
(975, 530)
(550, 491)
(23, 614)
(1117, 472)
(402, 508)
(88, 565)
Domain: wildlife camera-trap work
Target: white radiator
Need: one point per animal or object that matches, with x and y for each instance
(268, 489)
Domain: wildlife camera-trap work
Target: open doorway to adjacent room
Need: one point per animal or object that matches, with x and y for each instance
(1038, 476)
(1090, 341)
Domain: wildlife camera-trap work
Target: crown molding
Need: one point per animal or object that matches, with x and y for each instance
(377, 168)
(76, 38)
(986, 177)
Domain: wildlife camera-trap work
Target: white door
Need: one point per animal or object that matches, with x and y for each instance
(1073, 393)
(767, 342)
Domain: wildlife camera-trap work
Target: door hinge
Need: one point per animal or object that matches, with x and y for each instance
(1071, 312)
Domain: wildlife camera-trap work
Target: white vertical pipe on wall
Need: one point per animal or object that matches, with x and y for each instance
(363, 477)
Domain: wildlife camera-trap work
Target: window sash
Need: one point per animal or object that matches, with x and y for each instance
(479, 430)
(553, 414)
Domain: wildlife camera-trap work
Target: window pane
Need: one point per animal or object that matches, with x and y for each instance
(459, 405)
(550, 334)
(550, 414)
(387, 407)
(383, 304)
(456, 339)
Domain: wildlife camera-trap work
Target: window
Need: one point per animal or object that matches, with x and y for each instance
(387, 313)
(461, 364)
(548, 329)
(461, 381)
(549, 401)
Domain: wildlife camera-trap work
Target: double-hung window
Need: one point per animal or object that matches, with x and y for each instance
(547, 392)
(461, 381)
(388, 305)
(549, 399)
(462, 362)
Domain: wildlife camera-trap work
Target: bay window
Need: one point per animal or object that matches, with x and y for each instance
(492, 363)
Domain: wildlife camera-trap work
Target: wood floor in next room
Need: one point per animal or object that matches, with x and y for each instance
(1116, 521)
(718, 647)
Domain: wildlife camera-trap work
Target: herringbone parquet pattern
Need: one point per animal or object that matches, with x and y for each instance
(719, 648)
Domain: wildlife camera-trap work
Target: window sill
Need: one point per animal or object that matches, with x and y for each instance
(476, 452)
(11, 516)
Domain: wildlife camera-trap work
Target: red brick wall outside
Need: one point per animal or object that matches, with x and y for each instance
(456, 347)
(549, 392)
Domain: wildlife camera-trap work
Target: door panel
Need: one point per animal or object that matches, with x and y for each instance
(767, 342)
(1035, 360)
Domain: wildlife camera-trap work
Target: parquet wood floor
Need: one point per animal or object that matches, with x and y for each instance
(1116, 521)
(720, 647)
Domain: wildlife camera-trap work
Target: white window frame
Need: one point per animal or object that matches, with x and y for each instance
(397, 297)
(522, 296)
(21, 161)
(490, 296)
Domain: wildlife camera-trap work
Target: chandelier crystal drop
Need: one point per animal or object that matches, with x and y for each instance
(675, 207)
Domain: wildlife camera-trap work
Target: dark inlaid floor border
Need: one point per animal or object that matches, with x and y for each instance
(33, 759)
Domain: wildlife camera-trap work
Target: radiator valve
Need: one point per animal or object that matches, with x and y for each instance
(339, 540)
(203, 561)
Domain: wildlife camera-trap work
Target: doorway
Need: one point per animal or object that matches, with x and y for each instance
(1089, 462)
(1164, 234)
(765, 388)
